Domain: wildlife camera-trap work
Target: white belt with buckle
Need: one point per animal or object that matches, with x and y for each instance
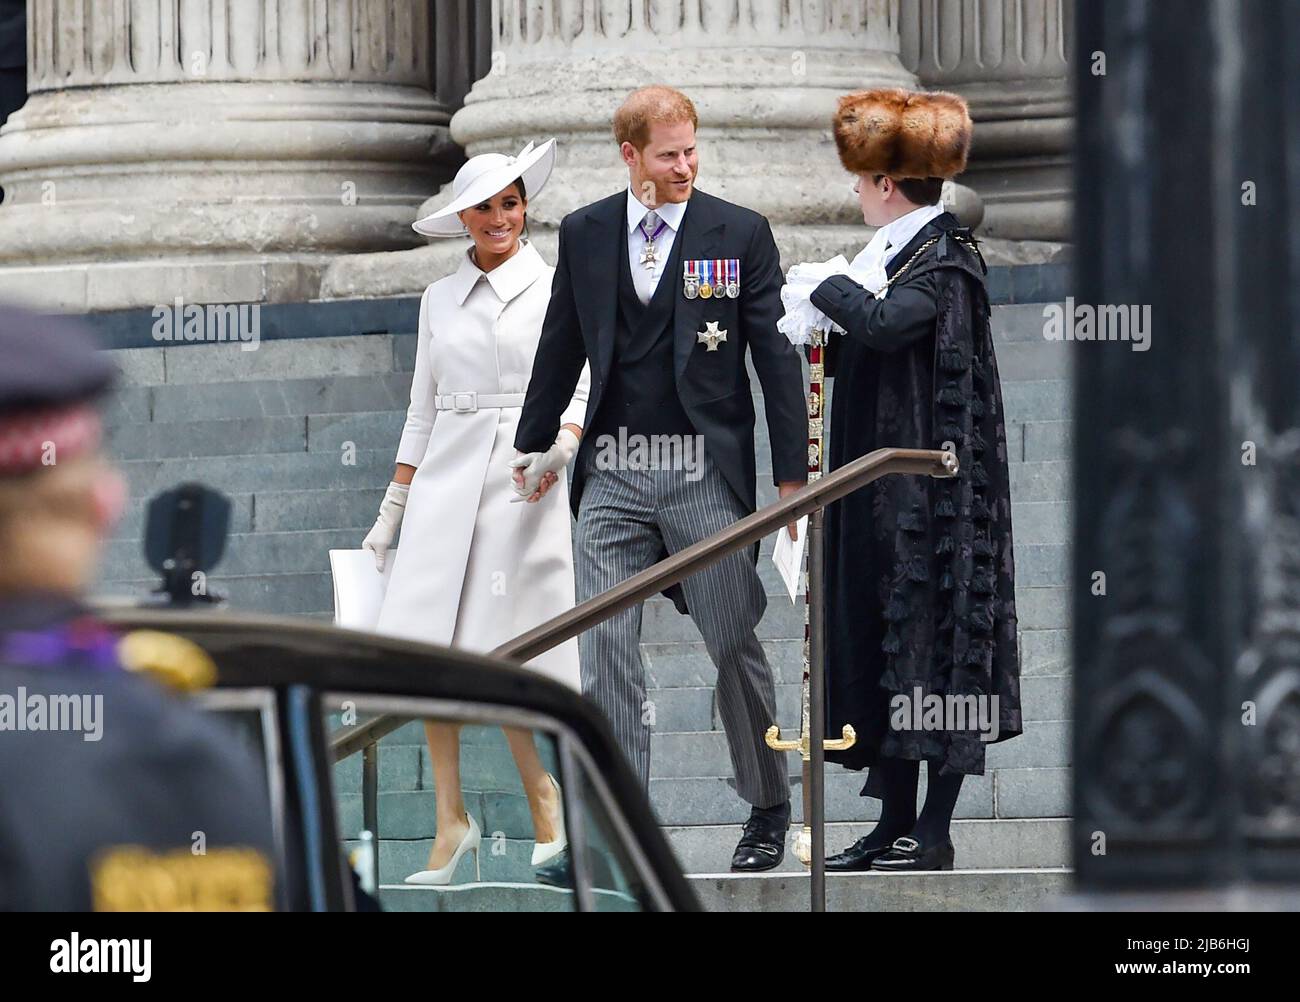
(467, 401)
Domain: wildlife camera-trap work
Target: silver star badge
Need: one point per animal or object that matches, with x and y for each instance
(710, 336)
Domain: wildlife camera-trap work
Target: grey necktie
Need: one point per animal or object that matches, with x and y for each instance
(643, 273)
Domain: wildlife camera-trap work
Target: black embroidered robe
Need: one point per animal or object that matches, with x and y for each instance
(920, 573)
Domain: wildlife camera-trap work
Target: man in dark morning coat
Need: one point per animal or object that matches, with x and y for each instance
(663, 287)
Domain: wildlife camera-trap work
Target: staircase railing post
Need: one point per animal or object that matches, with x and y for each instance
(370, 803)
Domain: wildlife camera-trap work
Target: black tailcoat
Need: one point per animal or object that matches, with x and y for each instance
(713, 386)
(920, 573)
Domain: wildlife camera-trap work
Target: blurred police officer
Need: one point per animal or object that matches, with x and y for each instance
(114, 792)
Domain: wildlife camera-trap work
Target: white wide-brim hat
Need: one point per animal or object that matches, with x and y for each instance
(483, 176)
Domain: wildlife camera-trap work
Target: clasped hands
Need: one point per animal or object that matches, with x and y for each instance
(535, 473)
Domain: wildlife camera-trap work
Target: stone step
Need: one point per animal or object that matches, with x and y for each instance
(1042, 440)
(260, 396)
(256, 436)
(1021, 360)
(948, 891)
(286, 358)
(355, 354)
(1043, 614)
(273, 594)
(237, 474)
(979, 844)
(496, 897)
(1041, 522)
(1015, 323)
(1033, 522)
(248, 553)
(686, 665)
(199, 440)
(680, 754)
(332, 469)
(1044, 652)
(501, 860)
(1034, 843)
(282, 511)
(504, 866)
(1043, 608)
(693, 709)
(1019, 781)
(693, 754)
(1037, 400)
(1030, 791)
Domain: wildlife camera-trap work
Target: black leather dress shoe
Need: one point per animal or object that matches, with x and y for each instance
(907, 854)
(762, 844)
(859, 856)
(557, 873)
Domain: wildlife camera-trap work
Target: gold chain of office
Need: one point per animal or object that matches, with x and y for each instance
(921, 250)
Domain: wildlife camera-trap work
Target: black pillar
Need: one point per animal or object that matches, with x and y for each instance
(1187, 455)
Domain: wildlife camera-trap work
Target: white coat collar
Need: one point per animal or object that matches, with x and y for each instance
(507, 279)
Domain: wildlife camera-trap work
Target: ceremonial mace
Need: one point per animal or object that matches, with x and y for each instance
(810, 844)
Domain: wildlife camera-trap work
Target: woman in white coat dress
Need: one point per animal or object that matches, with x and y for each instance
(474, 569)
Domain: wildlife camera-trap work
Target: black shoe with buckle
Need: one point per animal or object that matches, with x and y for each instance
(857, 857)
(762, 844)
(907, 854)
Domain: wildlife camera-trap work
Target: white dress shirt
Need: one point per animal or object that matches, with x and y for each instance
(646, 280)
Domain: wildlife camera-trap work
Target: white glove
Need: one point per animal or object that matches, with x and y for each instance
(391, 509)
(537, 464)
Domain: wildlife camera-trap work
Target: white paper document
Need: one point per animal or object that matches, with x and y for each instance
(359, 587)
(788, 557)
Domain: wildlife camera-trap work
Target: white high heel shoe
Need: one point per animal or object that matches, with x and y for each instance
(544, 852)
(443, 875)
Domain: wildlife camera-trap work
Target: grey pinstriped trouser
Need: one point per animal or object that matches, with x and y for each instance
(624, 516)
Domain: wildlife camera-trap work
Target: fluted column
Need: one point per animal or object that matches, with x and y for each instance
(1009, 59)
(215, 148)
(764, 76)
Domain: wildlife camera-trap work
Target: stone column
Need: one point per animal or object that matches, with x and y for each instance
(219, 151)
(764, 76)
(1011, 60)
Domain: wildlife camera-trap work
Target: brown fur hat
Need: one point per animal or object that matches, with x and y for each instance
(903, 133)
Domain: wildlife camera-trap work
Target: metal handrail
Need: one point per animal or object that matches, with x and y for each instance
(817, 494)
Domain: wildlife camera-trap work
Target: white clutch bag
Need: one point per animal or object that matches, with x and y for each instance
(358, 587)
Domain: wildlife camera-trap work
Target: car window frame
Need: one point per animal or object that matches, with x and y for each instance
(573, 757)
(264, 700)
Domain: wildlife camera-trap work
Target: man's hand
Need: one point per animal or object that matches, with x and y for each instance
(535, 472)
(789, 487)
(547, 482)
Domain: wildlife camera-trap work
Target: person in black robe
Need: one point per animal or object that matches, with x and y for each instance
(920, 574)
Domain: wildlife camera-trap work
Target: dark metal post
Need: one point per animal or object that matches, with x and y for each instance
(370, 803)
(815, 773)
